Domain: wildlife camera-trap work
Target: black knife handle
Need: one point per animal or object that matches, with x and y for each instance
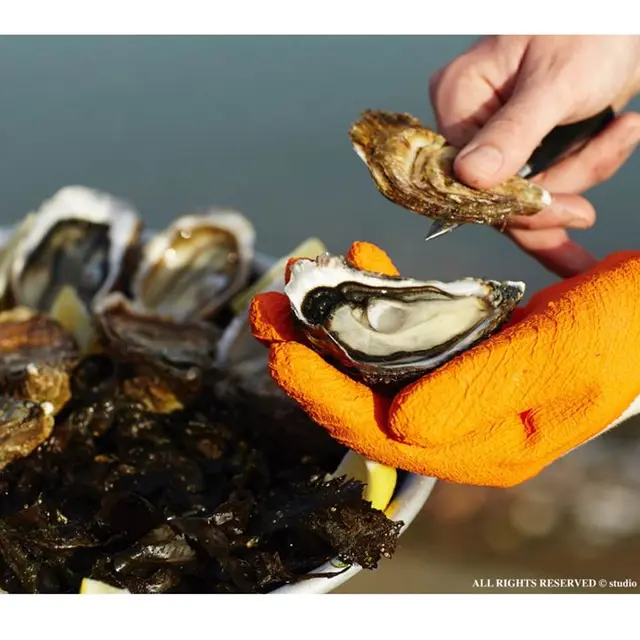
(564, 140)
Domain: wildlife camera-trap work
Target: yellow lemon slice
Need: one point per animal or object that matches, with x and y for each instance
(274, 277)
(379, 479)
(69, 311)
(95, 587)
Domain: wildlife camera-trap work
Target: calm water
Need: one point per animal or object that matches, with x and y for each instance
(257, 123)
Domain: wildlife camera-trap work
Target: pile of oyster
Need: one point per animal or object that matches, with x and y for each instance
(135, 400)
(80, 276)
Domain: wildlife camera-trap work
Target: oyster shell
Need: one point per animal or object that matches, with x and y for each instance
(170, 360)
(80, 238)
(36, 358)
(412, 167)
(389, 329)
(194, 267)
(24, 426)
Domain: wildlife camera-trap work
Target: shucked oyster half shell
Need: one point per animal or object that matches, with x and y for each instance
(412, 166)
(389, 329)
(195, 266)
(79, 238)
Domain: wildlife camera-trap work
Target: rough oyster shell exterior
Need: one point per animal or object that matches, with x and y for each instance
(36, 358)
(170, 359)
(24, 426)
(412, 167)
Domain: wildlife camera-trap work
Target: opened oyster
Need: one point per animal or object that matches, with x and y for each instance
(390, 329)
(412, 166)
(194, 267)
(80, 238)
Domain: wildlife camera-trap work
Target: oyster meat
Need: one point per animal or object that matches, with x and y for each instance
(412, 167)
(390, 329)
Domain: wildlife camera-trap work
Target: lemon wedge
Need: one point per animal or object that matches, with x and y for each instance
(91, 587)
(274, 277)
(379, 480)
(69, 311)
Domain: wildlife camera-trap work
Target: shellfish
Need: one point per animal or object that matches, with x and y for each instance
(194, 267)
(37, 357)
(170, 359)
(391, 330)
(24, 426)
(412, 167)
(79, 238)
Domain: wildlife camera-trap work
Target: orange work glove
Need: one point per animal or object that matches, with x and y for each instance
(564, 370)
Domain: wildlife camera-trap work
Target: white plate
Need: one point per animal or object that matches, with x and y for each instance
(412, 491)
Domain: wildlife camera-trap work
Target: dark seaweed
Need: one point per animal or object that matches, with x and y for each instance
(225, 496)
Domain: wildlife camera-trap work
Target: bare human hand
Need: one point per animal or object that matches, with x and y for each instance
(500, 98)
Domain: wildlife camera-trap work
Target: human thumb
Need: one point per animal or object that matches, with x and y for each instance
(503, 146)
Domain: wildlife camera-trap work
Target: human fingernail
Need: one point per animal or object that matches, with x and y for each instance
(485, 159)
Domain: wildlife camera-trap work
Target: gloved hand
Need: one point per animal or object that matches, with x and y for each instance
(565, 369)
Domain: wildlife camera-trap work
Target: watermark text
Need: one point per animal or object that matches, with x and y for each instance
(554, 583)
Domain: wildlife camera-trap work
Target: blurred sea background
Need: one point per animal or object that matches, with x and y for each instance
(260, 124)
